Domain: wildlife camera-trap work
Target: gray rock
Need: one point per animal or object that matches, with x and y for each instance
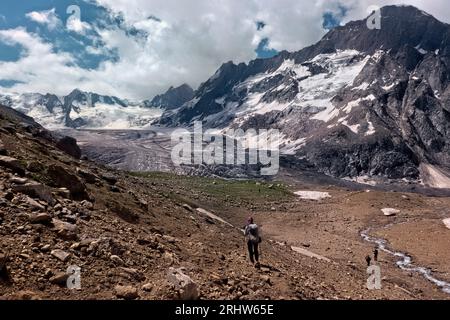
(187, 288)
(35, 190)
(18, 180)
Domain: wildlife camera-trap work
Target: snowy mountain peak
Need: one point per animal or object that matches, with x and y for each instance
(360, 102)
(173, 98)
(81, 109)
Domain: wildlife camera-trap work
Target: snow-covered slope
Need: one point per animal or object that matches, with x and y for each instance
(47, 110)
(82, 110)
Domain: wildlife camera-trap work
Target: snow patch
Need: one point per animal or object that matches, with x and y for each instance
(361, 87)
(312, 195)
(291, 147)
(389, 87)
(354, 128)
(361, 180)
(371, 129)
(355, 103)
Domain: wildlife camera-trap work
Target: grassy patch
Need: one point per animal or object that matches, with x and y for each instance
(247, 190)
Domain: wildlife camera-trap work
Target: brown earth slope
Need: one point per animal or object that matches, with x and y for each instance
(125, 231)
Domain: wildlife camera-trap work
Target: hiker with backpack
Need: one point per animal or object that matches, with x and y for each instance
(253, 240)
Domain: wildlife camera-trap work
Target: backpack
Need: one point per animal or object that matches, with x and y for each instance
(253, 233)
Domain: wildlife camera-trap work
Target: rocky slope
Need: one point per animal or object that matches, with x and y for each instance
(134, 237)
(359, 103)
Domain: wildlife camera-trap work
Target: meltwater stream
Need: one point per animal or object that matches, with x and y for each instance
(405, 261)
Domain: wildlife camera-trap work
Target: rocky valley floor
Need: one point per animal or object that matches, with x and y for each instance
(162, 236)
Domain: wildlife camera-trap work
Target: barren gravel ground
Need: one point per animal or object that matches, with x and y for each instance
(133, 227)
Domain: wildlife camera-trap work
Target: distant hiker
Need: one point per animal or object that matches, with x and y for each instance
(253, 240)
(368, 260)
(375, 254)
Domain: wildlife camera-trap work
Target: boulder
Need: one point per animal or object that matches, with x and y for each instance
(87, 176)
(41, 218)
(65, 230)
(35, 190)
(62, 178)
(389, 212)
(147, 287)
(60, 278)
(33, 204)
(69, 145)
(61, 255)
(13, 164)
(18, 180)
(126, 292)
(111, 179)
(187, 288)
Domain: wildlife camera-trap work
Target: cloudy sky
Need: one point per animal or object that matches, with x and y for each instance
(138, 48)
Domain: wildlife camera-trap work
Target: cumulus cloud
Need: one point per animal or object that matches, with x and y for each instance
(178, 41)
(76, 25)
(47, 17)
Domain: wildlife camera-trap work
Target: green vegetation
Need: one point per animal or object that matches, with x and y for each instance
(220, 189)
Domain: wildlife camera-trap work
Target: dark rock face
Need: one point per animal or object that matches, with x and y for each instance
(380, 157)
(69, 146)
(391, 116)
(50, 101)
(400, 26)
(173, 98)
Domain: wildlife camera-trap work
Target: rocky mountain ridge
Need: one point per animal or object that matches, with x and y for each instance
(359, 103)
(81, 109)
